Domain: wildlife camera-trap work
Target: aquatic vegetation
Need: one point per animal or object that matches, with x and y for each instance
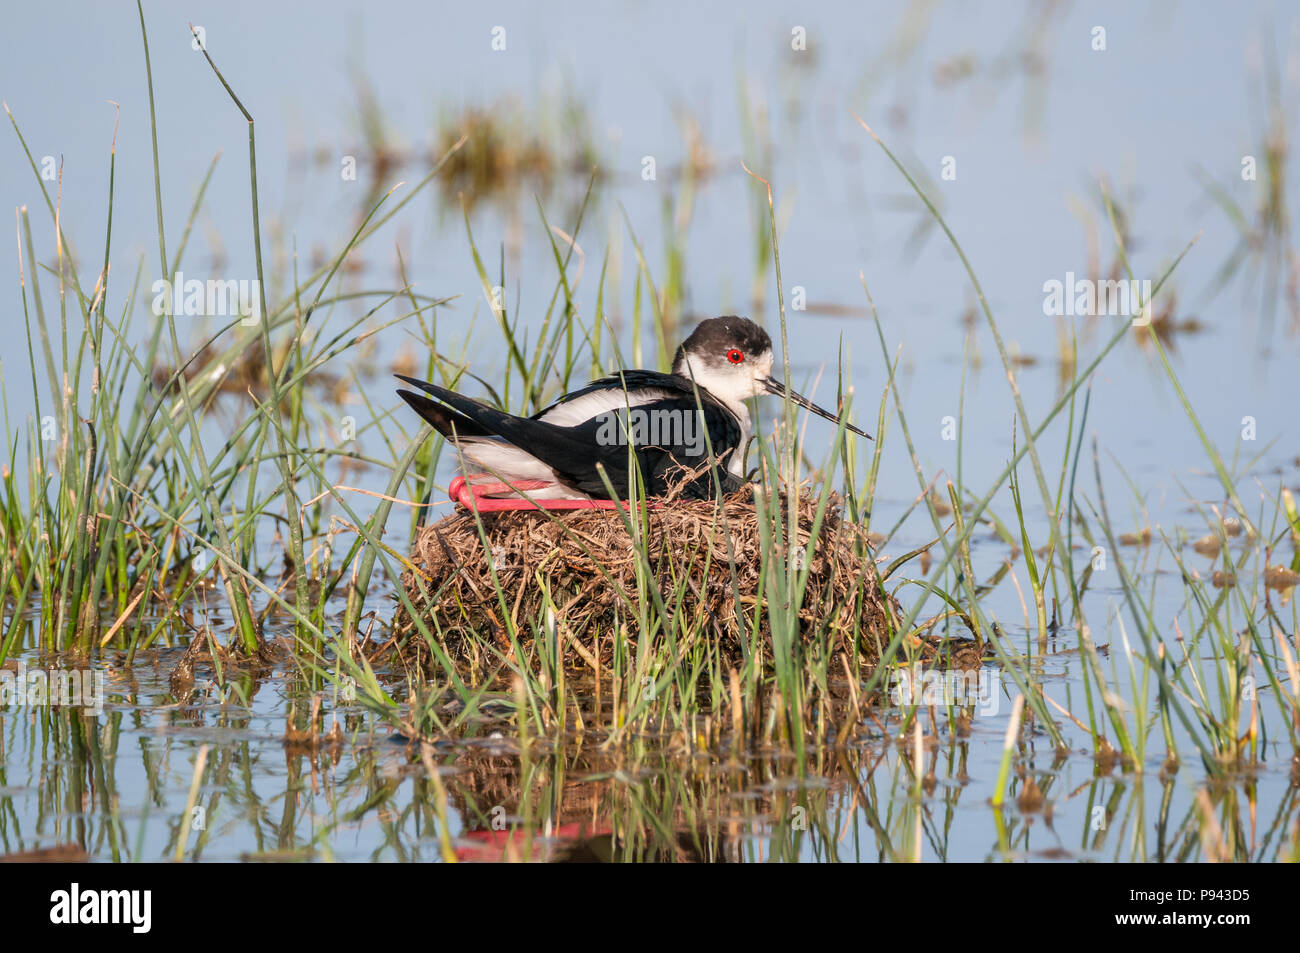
(187, 515)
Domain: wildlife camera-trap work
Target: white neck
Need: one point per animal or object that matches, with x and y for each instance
(731, 388)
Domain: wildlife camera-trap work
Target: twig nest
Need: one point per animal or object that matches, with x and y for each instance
(717, 568)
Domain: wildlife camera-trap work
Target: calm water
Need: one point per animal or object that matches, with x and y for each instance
(1009, 116)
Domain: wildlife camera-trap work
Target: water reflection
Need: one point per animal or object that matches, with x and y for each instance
(121, 786)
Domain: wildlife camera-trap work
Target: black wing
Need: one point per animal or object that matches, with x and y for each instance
(664, 467)
(673, 442)
(675, 450)
(631, 380)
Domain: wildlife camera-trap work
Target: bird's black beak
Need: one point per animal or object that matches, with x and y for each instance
(778, 389)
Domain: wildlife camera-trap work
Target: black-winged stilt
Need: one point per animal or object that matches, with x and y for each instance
(687, 428)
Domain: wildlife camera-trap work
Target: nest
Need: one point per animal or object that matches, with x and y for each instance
(704, 558)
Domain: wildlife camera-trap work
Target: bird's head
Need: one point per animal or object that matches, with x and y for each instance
(731, 358)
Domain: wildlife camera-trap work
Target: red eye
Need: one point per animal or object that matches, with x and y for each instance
(735, 356)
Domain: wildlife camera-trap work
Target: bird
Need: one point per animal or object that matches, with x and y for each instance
(685, 432)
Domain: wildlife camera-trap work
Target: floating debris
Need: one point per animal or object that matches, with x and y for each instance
(56, 854)
(1207, 545)
(1136, 539)
(1280, 578)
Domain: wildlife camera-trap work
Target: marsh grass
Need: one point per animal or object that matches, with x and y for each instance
(125, 510)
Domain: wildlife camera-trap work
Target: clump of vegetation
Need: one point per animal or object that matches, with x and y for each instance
(507, 152)
(593, 574)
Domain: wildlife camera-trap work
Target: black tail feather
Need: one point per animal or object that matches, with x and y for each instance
(442, 419)
(555, 446)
